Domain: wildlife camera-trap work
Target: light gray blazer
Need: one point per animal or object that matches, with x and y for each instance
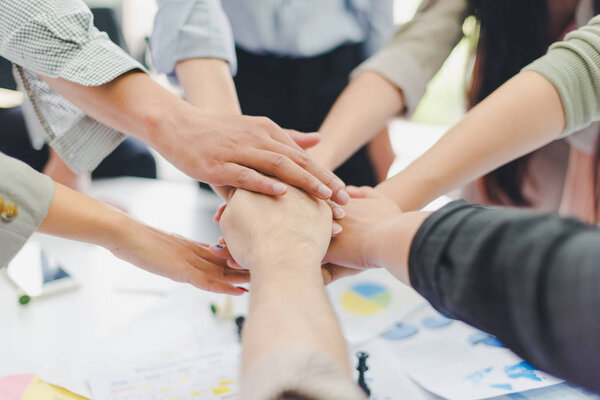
(31, 193)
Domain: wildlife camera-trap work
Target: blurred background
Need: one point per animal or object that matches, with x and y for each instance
(443, 104)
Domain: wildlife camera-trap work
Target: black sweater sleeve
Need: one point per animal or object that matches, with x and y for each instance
(531, 280)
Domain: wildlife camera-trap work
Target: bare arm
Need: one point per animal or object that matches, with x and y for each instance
(361, 111)
(207, 84)
(76, 216)
(392, 81)
(217, 149)
(285, 262)
(523, 115)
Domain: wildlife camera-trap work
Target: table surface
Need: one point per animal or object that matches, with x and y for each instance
(35, 336)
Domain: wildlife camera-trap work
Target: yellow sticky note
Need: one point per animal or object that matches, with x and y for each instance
(40, 390)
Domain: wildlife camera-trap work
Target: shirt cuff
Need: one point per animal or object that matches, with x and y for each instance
(187, 29)
(301, 370)
(32, 193)
(80, 141)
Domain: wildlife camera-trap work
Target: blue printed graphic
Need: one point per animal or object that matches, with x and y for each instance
(399, 331)
(503, 386)
(522, 370)
(484, 338)
(477, 377)
(436, 321)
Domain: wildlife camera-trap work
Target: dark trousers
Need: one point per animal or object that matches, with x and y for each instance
(131, 158)
(297, 93)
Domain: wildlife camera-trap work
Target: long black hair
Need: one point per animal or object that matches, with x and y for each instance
(512, 34)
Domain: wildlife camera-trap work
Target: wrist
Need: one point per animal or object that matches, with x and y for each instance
(396, 235)
(116, 229)
(286, 261)
(323, 154)
(162, 122)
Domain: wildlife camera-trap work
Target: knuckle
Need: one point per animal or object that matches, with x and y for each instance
(277, 160)
(302, 159)
(243, 177)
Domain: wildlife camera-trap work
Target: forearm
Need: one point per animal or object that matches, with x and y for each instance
(289, 307)
(133, 103)
(208, 85)
(361, 111)
(75, 216)
(521, 116)
(530, 280)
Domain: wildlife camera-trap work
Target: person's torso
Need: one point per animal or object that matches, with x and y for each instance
(303, 28)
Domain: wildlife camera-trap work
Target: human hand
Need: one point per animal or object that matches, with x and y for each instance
(260, 228)
(330, 272)
(240, 151)
(367, 215)
(175, 257)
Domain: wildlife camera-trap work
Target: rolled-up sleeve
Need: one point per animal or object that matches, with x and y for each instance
(186, 29)
(573, 67)
(419, 48)
(58, 39)
(32, 193)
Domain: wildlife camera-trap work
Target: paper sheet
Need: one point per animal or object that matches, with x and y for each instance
(40, 390)
(563, 391)
(181, 326)
(369, 302)
(211, 375)
(455, 361)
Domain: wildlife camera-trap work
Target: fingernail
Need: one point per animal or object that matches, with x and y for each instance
(324, 191)
(343, 196)
(217, 247)
(243, 289)
(337, 229)
(338, 212)
(279, 188)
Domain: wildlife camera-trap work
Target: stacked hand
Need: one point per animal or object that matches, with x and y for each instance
(257, 230)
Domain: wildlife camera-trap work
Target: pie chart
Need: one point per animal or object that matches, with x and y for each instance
(366, 298)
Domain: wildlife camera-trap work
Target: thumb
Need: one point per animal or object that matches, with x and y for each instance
(304, 140)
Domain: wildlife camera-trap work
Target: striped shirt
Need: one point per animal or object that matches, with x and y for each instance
(57, 38)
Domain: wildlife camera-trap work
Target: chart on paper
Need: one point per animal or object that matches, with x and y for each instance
(368, 303)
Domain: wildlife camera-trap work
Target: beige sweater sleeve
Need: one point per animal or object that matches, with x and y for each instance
(298, 373)
(419, 48)
(573, 67)
(32, 193)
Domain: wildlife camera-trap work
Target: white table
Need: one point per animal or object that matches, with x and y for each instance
(36, 335)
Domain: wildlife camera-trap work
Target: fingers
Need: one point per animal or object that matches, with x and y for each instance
(304, 140)
(249, 179)
(296, 173)
(219, 213)
(336, 229)
(322, 174)
(363, 192)
(221, 251)
(332, 272)
(224, 191)
(337, 211)
(204, 282)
